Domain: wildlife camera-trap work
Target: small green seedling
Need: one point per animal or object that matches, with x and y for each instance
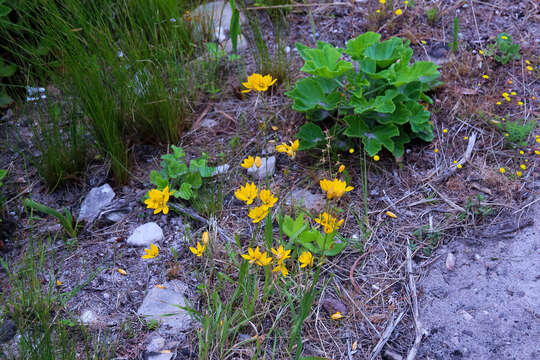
(65, 219)
(516, 132)
(504, 49)
(433, 15)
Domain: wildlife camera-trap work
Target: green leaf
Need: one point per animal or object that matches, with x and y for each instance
(423, 71)
(308, 238)
(176, 169)
(185, 191)
(158, 180)
(4, 10)
(373, 139)
(5, 99)
(7, 70)
(310, 136)
(308, 94)
(178, 152)
(399, 117)
(293, 228)
(383, 103)
(357, 46)
(419, 121)
(399, 143)
(323, 61)
(194, 179)
(335, 249)
(385, 53)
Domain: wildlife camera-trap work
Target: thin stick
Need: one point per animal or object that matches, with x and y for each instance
(297, 6)
(194, 215)
(463, 160)
(414, 299)
(386, 336)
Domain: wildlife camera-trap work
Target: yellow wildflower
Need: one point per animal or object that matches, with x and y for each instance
(459, 166)
(257, 82)
(258, 161)
(465, 138)
(159, 286)
(341, 169)
(523, 166)
(506, 134)
(378, 11)
(336, 316)
(122, 271)
(513, 93)
(280, 254)
(436, 150)
(399, 12)
(498, 103)
(199, 250)
(258, 213)
(157, 200)
(247, 193)
(502, 170)
(382, 1)
(504, 37)
(424, 42)
(480, 52)
(306, 259)
(205, 237)
(351, 150)
(485, 76)
(248, 162)
(537, 152)
(376, 158)
(151, 253)
(290, 150)
(527, 62)
(329, 223)
(530, 68)
(391, 214)
(267, 198)
(281, 267)
(519, 173)
(334, 188)
(58, 283)
(520, 103)
(255, 256)
(445, 131)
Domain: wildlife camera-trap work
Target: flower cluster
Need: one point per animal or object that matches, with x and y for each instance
(199, 250)
(334, 188)
(157, 200)
(290, 150)
(328, 222)
(248, 193)
(255, 256)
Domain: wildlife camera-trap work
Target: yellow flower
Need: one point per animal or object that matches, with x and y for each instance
(519, 173)
(280, 254)
(378, 11)
(445, 131)
(199, 250)
(399, 12)
(258, 213)
(513, 93)
(351, 150)
(436, 151)
(502, 170)
(341, 169)
(485, 76)
(480, 52)
(382, 1)
(336, 316)
(406, 2)
(424, 42)
(538, 140)
(58, 283)
(504, 37)
(151, 253)
(523, 166)
(159, 286)
(498, 103)
(258, 161)
(530, 68)
(459, 166)
(248, 162)
(329, 222)
(391, 214)
(376, 158)
(290, 150)
(334, 188)
(465, 138)
(247, 193)
(306, 259)
(537, 152)
(157, 200)
(267, 198)
(255, 256)
(257, 82)
(506, 134)
(510, 81)
(527, 62)
(520, 103)
(122, 271)
(205, 237)
(281, 267)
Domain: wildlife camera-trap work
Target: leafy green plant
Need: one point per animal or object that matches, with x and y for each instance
(504, 49)
(185, 180)
(424, 234)
(300, 233)
(377, 99)
(516, 132)
(473, 205)
(6, 70)
(433, 15)
(65, 218)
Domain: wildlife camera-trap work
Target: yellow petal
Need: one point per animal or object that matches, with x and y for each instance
(159, 286)
(122, 271)
(336, 316)
(391, 214)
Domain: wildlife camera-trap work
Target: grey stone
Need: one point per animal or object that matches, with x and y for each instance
(88, 317)
(241, 45)
(305, 198)
(267, 168)
(145, 234)
(209, 123)
(94, 202)
(155, 344)
(216, 14)
(159, 356)
(221, 169)
(163, 305)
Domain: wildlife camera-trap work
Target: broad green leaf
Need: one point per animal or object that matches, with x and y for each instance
(4, 10)
(308, 94)
(5, 99)
(185, 191)
(194, 179)
(310, 136)
(335, 249)
(399, 143)
(176, 169)
(323, 61)
(373, 139)
(399, 117)
(423, 71)
(383, 103)
(178, 152)
(207, 171)
(293, 228)
(158, 180)
(356, 46)
(385, 53)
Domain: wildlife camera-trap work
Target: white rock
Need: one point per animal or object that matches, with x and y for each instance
(241, 45)
(450, 261)
(221, 169)
(267, 169)
(305, 198)
(216, 14)
(88, 317)
(155, 344)
(209, 123)
(164, 306)
(146, 234)
(94, 202)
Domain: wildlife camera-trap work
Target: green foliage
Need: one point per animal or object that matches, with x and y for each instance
(428, 238)
(455, 41)
(3, 174)
(65, 219)
(377, 99)
(301, 234)
(518, 131)
(504, 49)
(433, 15)
(185, 180)
(6, 70)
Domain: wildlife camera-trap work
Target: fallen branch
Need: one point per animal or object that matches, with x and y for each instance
(463, 160)
(386, 336)
(447, 200)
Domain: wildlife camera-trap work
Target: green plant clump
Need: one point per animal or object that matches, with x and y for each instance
(504, 49)
(517, 132)
(183, 181)
(376, 97)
